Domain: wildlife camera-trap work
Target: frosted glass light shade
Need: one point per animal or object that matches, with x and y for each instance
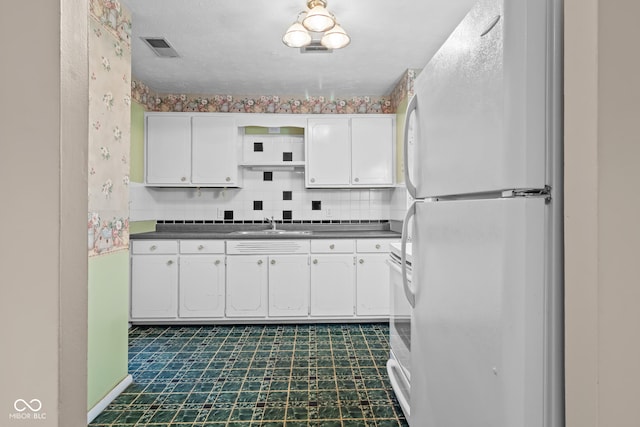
(296, 36)
(318, 19)
(335, 38)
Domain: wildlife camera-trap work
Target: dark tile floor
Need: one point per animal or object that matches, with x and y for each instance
(273, 375)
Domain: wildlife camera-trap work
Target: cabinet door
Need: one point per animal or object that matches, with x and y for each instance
(332, 283)
(214, 156)
(168, 149)
(247, 280)
(328, 153)
(154, 286)
(202, 280)
(372, 285)
(289, 285)
(372, 151)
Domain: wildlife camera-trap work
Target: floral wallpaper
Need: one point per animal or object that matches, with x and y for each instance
(403, 89)
(109, 131)
(262, 104)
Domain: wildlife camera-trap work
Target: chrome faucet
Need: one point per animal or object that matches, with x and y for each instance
(271, 222)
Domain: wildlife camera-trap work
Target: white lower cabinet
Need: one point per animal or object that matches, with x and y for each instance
(198, 280)
(154, 286)
(372, 285)
(202, 280)
(247, 284)
(288, 285)
(332, 280)
(154, 279)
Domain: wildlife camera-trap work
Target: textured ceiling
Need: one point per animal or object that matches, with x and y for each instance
(235, 47)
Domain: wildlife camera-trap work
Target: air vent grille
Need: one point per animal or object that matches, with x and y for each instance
(268, 246)
(315, 47)
(160, 47)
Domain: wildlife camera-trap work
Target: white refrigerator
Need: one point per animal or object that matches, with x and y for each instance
(486, 173)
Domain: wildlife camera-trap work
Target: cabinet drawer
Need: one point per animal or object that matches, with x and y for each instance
(154, 247)
(374, 245)
(332, 246)
(201, 246)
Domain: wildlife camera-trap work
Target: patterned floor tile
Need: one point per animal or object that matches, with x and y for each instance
(323, 375)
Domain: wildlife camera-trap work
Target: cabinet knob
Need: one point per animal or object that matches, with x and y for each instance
(259, 262)
(227, 179)
(315, 261)
(361, 261)
(200, 247)
(183, 179)
(153, 247)
(378, 246)
(217, 262)
(170, 262)
(273, 261)
(332, 246)
(312, 180)
(357, 179)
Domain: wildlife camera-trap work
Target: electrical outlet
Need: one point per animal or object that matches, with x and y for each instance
(328, 213)
(220, 213)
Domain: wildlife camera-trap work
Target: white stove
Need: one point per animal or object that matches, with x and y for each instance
(399, 363)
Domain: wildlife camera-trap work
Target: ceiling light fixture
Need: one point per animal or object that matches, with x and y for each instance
(316, 19)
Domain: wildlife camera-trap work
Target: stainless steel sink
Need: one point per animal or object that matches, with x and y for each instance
(272, 232)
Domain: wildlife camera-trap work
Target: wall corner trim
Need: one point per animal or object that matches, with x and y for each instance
(110, 397)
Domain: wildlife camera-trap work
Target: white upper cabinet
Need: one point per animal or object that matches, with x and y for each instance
(328, 152)
(206, 149)
(214, 159)
(372, 151)
(350, 152)
(191, 150)
(168, 149)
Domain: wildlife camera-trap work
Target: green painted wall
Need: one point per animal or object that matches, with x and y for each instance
(136, 174)
(141, 226)
(108, 323)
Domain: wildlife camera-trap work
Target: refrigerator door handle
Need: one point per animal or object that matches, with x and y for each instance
(413, 103)
(408, 292)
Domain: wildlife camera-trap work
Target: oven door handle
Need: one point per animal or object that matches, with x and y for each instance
(393, 370)
(408, 292)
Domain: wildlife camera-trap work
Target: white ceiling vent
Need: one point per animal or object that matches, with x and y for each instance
(161, 47)
(315, 47)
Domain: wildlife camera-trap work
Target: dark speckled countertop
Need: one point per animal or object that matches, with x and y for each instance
(229, 231)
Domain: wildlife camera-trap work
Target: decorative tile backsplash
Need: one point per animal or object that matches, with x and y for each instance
(284, 197)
